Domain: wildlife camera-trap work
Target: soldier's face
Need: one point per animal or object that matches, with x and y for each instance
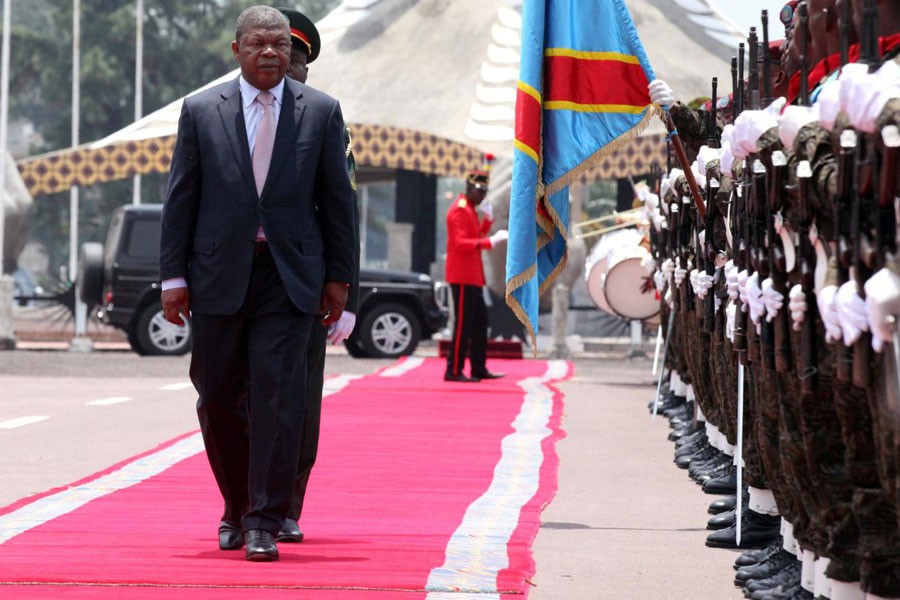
(297, 68)
(821, 26)
(476, 192)
(264, 55)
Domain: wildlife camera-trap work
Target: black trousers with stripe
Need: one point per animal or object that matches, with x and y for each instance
(469, 330)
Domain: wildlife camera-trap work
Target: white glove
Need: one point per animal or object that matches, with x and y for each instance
(727, 132)
(772, 299)
(731, 280)
(342, 328)
(748, 128)
(730, 316)
(679, 274)
(828, 104)
(649, 264)
(664, 185)
(705, 156)
(704, 284)
(755, 299)
(668, 268)
(797, 306)
(668, 298)
(792, 121)
(659, 278)
(692, 276)
(726, 160)
(825, 300)
(742, 277)
(487, 209)
(853, 78)
(869, 93)
(501, 235)
(661, 93)
(883, 301)
(851, 311)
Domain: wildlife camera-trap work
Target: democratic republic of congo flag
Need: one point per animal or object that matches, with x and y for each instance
(582, 93)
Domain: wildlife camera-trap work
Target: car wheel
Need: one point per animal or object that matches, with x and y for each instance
(89, 278)
(389, 330)
(158, 337)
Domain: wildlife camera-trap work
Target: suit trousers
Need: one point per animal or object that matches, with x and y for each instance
(469, 330)
(309, 437)
(249, 369)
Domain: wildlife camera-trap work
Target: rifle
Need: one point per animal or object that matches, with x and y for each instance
(762, 267)
(845, 33)
(846, 166)
(709, 312)
(777, 263)
(684, 247)
(808, 368)
(803, 46)
(886, 223)
(753, 83)
(739, 90)
(767, 68)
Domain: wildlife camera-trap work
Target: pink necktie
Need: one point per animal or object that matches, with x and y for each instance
(265, 140)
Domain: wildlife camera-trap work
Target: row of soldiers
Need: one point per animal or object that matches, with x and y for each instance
(776, 259)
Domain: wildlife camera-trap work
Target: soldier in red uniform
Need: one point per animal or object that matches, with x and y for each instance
(466, 238)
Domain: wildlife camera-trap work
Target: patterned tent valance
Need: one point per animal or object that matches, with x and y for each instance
(373, 146)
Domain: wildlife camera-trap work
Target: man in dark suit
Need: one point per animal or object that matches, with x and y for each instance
(257, 243)
(306, 45)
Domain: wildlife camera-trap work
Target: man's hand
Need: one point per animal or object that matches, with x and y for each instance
(176, 304)
(341, 330)
(334, 299)
(501, 235)
(487, 209)
(661, 93)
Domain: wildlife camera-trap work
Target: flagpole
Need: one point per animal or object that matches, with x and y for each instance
(79, 343)
(138, 83)
(685, 165)
(4, 111)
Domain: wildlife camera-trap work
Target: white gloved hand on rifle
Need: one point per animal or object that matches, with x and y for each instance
(755, 299)
(825, 301)
(680, 273)
(852, 312)
(731, 280)
(661, 93)
(704, 284)
(342, 328)
(773, 299)
(883, 303)
(797, 306)
(501, 235)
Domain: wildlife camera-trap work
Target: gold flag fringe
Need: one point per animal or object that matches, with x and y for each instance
(511, 286)
(576, 172)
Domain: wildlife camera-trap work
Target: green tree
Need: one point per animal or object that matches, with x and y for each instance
(187, 43)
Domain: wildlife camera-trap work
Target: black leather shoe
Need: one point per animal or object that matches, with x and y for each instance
(726, 484)
(231, 536)
(461, 378)
(784, 579)
(757, 530)
(290, 532)
(488, 375)
(261, 546)
(754, 557)
(722, 505)
(721, 521)
(775, 564)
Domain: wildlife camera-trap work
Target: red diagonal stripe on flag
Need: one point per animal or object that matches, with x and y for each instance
(590, 81)
(528, 120)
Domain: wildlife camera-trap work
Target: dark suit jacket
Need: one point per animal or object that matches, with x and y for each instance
(212, 211)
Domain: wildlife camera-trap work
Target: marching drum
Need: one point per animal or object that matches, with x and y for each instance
(616, 281)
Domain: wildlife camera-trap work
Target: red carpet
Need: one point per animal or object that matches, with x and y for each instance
(422, 488)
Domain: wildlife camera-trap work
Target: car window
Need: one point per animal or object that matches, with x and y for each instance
(143, 239)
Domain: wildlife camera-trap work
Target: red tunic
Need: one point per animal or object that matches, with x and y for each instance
(466, 238)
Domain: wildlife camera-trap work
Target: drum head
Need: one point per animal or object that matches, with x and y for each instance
(596, 275)
(629, 291)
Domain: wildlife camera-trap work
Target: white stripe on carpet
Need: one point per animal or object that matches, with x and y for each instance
(477, 551)
(56, 505)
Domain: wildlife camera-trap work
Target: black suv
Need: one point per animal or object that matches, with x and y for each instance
(121, 282)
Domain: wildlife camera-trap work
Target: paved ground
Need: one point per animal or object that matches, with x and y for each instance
(626, 523)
